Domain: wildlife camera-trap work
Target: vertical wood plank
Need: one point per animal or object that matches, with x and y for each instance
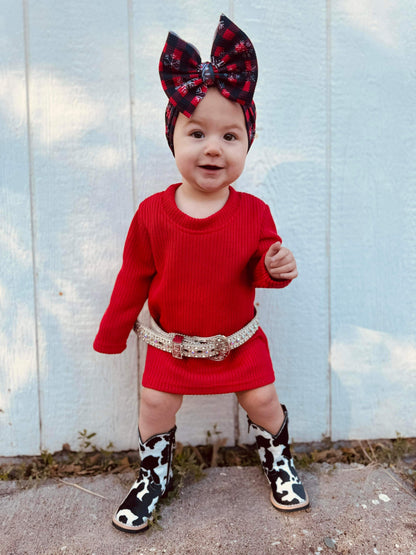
(83, 198)
(19, 410)
(373, 220)
(286, 167)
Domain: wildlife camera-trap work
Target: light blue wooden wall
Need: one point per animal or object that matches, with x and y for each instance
(82, 143)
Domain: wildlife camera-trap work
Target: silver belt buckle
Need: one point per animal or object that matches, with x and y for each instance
(222, 348)
(177, 343)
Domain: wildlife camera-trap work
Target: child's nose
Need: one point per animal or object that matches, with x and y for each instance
(213, 146)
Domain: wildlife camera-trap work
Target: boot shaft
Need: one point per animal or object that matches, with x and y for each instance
(271, 447)
(156, 455)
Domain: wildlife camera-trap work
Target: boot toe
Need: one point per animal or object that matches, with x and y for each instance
(289, 505)
(121, 522)
(135, 513)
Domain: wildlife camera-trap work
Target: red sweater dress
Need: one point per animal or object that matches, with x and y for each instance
(199, 276)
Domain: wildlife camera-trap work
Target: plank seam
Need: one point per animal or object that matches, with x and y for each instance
(130, 16)
(32, 209)
(328, 179)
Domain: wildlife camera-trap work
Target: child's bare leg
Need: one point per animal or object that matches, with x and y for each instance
(157, 412)
(263, 407)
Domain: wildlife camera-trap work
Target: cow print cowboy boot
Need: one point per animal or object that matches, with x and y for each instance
(288, 493)
(154, 480)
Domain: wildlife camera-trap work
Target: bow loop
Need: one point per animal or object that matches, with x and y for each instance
(234, 56)
(179, 70)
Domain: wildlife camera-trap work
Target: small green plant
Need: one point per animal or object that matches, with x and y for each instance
(13, 472)
(303, 460)
(212, 436)
(187, 464)
(4, 475)
(46, 458)
(400, 447)
(85, 443)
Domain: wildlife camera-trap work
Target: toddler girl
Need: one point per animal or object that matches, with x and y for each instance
(196, 252)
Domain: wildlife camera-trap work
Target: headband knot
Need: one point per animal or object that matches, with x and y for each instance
(233, 70)
(207, 74)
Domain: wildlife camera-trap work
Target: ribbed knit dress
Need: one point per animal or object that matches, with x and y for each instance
(199, 276)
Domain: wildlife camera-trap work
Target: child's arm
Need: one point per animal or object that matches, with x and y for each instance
(280, 262)
(130, 290)
(268, 271)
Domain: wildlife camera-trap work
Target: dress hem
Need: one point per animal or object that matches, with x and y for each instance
(210, 391)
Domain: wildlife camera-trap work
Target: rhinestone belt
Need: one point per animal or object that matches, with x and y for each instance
(217, 347)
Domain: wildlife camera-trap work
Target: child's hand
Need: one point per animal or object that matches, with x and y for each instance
(280, 262)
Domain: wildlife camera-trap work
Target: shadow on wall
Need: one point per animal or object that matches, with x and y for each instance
(373, 384)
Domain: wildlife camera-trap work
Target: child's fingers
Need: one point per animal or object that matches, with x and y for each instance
(289, 275)
(285, 268)
(274, 249)
(283, 256)
(288, 271)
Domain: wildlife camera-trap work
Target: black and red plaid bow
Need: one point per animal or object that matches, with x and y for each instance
(233, 68)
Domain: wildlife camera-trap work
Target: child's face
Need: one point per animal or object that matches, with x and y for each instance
(211, 146)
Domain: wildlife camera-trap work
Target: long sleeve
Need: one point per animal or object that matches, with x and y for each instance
(130, 290)
(268, 236)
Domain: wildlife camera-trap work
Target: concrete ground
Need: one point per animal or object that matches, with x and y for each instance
(354, 509)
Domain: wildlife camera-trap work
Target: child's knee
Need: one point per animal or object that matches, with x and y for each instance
(159, 402)
(261, 398)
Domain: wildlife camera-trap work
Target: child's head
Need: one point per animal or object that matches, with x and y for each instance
(232, 71)
(211, 145)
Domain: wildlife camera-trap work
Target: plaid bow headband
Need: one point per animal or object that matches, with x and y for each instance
(233, 70)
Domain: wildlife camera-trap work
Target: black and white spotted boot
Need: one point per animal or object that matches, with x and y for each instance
(154, 480)
(288, 493)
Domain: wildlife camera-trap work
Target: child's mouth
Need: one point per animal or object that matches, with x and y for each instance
(211, 168)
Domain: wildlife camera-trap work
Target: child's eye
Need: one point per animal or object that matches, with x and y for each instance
(197, 134)
(230, 137)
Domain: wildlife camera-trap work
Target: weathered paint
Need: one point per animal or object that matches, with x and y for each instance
(82, 143)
